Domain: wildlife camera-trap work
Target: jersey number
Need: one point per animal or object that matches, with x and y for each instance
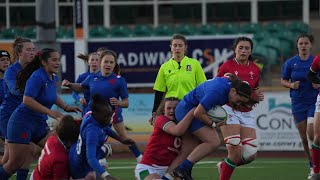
(79, 144)
(44, 151)
(177, 142)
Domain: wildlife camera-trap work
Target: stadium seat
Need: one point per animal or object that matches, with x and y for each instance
(265, 55)
(163, 30)
(120, 31)
(61, 32)
(251, 28)
(286, 49)
(274, 27)
(69, 33)
(11, 33)
(208, 29)
(273, 43)
(287, 35)
(255, 43)
(259, 36)
(142, 30)
(64, 32)
(298, 27)
(230, 28)
(185, 29)
(30, 32)
(98, 32)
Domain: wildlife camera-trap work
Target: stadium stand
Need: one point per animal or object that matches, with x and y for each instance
(142, 30)
(208, 29)
(98, 32)
(185, 29)
(163, 30)
(120, 31)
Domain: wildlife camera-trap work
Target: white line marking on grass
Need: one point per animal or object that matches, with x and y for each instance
(196, 167)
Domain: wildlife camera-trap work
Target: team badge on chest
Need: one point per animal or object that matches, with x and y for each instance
(188, 68)
(251, 74)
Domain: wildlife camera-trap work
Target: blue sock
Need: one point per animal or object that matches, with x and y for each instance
(22, 174)
(186, 165)
(167, 176)
(134, 149)
(3, 174)
(310, 163)
(164, 178)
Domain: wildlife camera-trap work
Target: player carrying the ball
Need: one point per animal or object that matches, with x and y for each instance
(217, 91)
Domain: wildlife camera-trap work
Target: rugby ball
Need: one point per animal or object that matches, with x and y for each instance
(217, 114)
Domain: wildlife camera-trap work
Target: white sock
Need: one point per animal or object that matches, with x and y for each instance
(139, 158)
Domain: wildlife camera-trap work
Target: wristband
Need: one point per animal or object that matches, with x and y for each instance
(213, 125)
(168, 176)
(105, 174)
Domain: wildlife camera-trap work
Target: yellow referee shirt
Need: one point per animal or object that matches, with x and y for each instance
(177, 81)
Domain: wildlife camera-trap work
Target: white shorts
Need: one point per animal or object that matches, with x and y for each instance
(160, 170)
(318, 104)
(245, 119)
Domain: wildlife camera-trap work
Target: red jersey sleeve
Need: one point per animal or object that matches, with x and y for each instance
(222, 70)
(315, 66)
(161, 121)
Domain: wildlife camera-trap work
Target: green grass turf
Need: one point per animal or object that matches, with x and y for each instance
(261, 169)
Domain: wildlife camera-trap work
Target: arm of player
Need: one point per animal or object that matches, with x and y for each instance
(313, 77)
(76, 96)
(65, 107)
(180, 128)
(288, 84)
(35, 106)
(91, 151)
(158, 96)
(201, 114)
(115, 102)
(115, 136)
(74, 86)
(10, 79)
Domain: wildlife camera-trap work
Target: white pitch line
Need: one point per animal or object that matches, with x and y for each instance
(213, 162)
(205, 162)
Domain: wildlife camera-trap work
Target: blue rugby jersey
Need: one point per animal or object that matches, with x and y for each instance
(295, 69)
(210, 93)
(107, 86)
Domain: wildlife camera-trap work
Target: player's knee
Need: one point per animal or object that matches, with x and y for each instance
(233, 140)
(249, 149)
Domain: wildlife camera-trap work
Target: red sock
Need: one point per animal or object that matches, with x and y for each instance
(241, 162)
(316, 158)
(227, 168)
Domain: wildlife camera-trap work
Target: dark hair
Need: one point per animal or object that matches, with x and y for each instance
(179, 36)
(305, 35)
(86, 57)
(238, 40)
(18, 45)
(242, 88)
(116, 69)
(160, 110)
(102, 49)
(25, 73)
(100, 104)
(67, 130)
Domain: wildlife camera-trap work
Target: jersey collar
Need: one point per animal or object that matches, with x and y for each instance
(241, 64)
(62, 143)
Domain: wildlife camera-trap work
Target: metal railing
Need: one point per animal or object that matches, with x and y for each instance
(107, 4)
